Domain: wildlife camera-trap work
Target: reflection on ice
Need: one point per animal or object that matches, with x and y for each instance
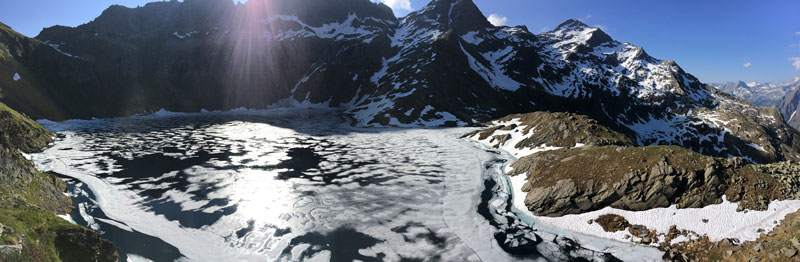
(292, 185)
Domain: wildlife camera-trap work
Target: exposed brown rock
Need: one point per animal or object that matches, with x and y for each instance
(554, 129)
(612, 222)
(577, 180)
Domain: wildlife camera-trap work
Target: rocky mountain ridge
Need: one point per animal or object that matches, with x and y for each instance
(442, 65)
(759, 94)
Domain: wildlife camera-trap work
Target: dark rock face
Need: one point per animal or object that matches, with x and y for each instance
(216, 55)
(788, 106)
(80, 245)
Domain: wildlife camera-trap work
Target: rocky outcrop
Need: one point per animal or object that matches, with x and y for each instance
(788, 173)
(616, 223)
(549, 129)
(24, 185)
(571, 181)
(29, 202)
(578, 180)
(611, 222)
(582, 165)
(20, 132)
(10, 246)
(79, 245)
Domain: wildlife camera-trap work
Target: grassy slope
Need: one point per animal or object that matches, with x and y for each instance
(29, 201)
(27, 91)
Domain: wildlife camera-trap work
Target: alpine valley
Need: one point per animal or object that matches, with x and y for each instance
(288, 130)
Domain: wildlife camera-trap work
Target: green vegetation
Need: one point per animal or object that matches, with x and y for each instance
(35, 231)
(29, 201)
(21, 55)
(20, 132)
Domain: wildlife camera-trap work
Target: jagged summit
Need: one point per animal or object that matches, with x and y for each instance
(317, 13)
(571, 24)
(462, 15)
(576, 32)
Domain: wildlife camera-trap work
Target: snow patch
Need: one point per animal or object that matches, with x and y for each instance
(756, 146)
(723, 219)
(516, 136)
(56, 47)
(352, 28)
(472, 38)
(494, 74)
(182, 36)
(68, 218)
(137, 258)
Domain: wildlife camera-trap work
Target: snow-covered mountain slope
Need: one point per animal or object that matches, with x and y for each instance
(442, 65)
(759, 94)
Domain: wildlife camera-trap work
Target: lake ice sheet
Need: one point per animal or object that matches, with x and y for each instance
(299, 184)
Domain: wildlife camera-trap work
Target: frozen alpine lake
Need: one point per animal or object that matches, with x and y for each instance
(298, 185)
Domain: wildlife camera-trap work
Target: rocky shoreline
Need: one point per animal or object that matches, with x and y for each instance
(30, 200)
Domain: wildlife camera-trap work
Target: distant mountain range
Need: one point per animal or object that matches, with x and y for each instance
(442, 65)
(760, 94)
(783, 96)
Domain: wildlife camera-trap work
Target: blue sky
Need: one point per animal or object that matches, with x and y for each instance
(716, 40)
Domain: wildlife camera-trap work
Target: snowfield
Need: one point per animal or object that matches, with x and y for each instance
(723, 221)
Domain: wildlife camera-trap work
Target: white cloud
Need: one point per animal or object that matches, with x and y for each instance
(587, 17)
(497, 20)
(797, 33)
(747, 65)
(544, 29)
(795, 62)
(602, 27)
(397, 5)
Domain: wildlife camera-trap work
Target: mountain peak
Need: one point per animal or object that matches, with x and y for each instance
(571, 24)
(459, 14)
(576, 32)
